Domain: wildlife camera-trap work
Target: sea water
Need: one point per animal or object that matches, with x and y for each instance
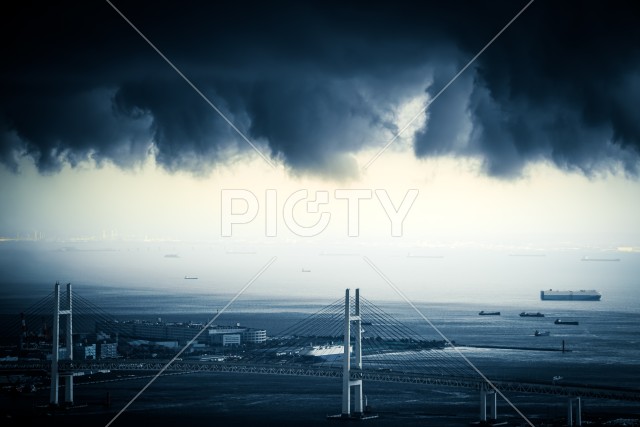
(139, 281)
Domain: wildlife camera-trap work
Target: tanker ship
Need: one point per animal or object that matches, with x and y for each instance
(582, 295)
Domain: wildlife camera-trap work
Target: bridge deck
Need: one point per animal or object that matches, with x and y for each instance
(598, 392)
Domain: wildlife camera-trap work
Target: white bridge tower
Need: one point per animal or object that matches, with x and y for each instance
(56, 349)
(352, 375)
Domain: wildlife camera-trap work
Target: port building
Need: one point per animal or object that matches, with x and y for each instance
(184, 332)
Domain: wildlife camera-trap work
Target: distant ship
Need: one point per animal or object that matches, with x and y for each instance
(565, 322)
(190, 278)
(306, 271)
(525, 314)
(541, 334)
(489, 313)
(324, 352)
(586, 258)
(528, 255)
(582, 295)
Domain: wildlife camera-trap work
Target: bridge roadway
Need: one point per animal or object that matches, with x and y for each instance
(584, 391)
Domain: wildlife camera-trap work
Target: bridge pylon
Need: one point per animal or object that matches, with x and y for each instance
(493, 403)
(352, 375)
(55, 348)
(578, 411)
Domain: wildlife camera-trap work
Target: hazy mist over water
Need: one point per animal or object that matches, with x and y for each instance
(439, 275)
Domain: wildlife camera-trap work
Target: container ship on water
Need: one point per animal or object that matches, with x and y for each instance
(582, 295)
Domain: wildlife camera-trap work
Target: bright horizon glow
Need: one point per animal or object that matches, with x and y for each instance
(457, 236)
(455, 204)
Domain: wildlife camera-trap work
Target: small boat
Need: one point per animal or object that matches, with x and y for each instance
(541, 334)
(306, 271)
(489, 313)
(565, 322)
(525, 314)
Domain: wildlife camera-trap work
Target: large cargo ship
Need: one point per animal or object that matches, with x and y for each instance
(582, 295)
(526, 314)
(566, 322)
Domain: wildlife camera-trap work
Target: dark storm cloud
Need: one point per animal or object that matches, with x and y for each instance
(561, 86)
(313, 84)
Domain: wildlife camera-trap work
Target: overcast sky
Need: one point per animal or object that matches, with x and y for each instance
(537, 141)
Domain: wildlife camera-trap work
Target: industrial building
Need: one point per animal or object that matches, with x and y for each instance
(216, 335)
(84, 351)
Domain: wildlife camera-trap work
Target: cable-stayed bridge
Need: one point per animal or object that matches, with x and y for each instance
(351, 339)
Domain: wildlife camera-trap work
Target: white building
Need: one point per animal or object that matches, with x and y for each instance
(254, 336)
(231, 339)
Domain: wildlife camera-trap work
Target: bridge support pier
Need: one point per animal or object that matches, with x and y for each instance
(346, 359)
(578, 410)
(347, 382)
(347, 373)
(55, 348)
(493, 402)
